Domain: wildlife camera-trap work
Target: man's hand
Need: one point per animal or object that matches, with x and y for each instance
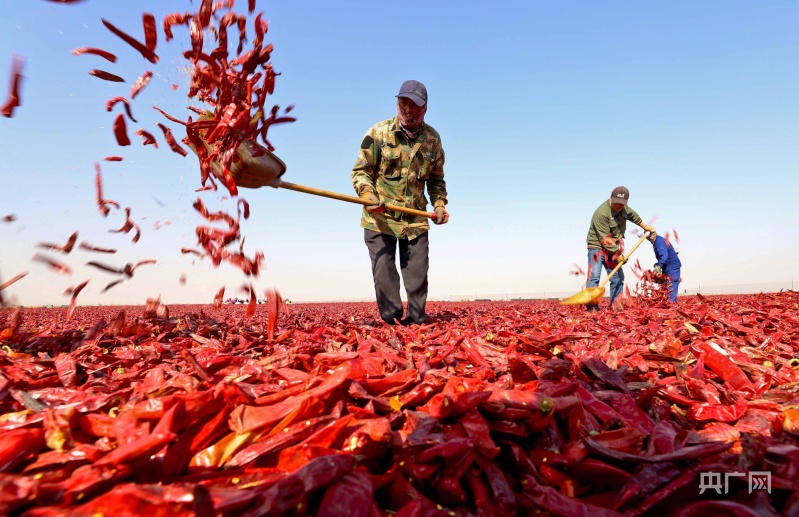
(657, 269)
(618, 258)
(646, 227)
(375, 206)
(442, 216)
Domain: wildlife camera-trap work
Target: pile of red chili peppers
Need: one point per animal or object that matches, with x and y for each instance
(506, 408)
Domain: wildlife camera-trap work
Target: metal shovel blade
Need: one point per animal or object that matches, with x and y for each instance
(589, 296)
(253, 167)
(256, 166)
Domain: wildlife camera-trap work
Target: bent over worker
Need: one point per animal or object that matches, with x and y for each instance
(668, 264)
(608, 225)
(398, 158)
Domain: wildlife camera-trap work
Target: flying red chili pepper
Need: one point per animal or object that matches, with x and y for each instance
(121, 131)
(96, 51)
(170, 139)
(58, 267)
(168, 116)
(150, 31)
(102, 204)
(140, 83)
(113, 158)
(13, 99)
(88, 247)
(112, 284)
(106, 76)
(148, 54)
(218, 297)
(261, 27)
(253, 301)
(174, 19)
(149, 139)
(16, 278)
(204, 14)
(65, 249)
(128, 226)
(110, 104)
(74, 291)
(10, 218)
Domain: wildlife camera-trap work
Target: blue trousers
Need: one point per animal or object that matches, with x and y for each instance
(673, 283)
(597, 259)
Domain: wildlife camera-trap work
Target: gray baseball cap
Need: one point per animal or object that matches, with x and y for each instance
(415, 91)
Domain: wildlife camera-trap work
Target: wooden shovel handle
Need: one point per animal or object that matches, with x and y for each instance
(352, 199)
(623, 260)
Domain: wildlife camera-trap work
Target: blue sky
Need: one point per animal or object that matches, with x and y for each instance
(543, 108)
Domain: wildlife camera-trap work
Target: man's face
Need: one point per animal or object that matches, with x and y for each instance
(616, 206)
(408, 106)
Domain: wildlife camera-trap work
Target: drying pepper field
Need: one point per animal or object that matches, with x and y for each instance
(490, 408)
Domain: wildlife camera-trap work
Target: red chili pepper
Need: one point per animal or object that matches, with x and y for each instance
(65, 249)
(549, 500)
(249, 418)
(148, 54)
(719, 412)
(110, 104)
(140, 83)
(56, 266)
(106, 76)
(351, 495)
(73, 301)
(17, 445)
(128, 226)
(8, 283)
(204, 14)
(121, 131)
(13, 99)
(150, 31)
(722, 365)
(274, 443)
(170, 139)
(149, 139)
(96, 51)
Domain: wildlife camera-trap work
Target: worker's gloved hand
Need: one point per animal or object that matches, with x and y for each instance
(375, 206)
(442, 216)
(658, 270)
(608, 242)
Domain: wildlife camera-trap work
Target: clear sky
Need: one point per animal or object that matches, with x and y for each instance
(543, 108)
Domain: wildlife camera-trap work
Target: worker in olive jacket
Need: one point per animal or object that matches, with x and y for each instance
(608, 225)
(398, 158)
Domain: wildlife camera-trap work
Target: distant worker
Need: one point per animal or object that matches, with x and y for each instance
(668, 264)
(397, 159)
(608, 225)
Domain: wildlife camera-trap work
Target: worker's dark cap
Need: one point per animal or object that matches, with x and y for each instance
(620, 195)
(415, 91)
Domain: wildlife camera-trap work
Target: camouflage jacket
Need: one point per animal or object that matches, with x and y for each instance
(397, 171)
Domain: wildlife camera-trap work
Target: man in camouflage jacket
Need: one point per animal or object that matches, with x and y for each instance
(397, 159)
